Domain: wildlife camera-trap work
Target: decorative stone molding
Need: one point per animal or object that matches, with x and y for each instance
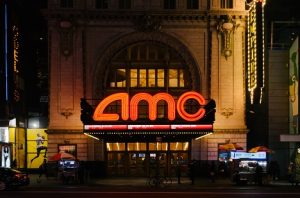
(147, 23)
(226, 26)
(66, 28)
(66, 112)
(227, 112)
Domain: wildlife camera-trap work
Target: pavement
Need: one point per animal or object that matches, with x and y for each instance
(141, 184)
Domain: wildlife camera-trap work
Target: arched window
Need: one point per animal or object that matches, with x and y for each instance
(148, 65)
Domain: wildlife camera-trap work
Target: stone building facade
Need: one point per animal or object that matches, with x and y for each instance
(85, 36)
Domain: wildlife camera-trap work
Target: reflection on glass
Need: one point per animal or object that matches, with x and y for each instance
(179, 146)
(137, 146)
(115, 146)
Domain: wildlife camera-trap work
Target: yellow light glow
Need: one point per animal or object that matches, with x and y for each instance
(252, 59)
(203, 136)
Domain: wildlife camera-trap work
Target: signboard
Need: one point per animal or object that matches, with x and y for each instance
(4, 135)
(189, 127)
(294, 87)
(129, 107)
(244, 155)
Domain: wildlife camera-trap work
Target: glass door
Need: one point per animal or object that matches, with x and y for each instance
(137, 164)
(116, 163)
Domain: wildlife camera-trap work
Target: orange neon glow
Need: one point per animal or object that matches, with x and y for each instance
(152, 102)
(180, 106)
(100, 116)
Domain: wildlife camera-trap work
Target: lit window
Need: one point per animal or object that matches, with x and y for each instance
(160, 78)
(151, 78)
(227, 4)
(118, 78)
(133, 78)
(101, 4)
(192, 4)
(66, 3)
(181, 78)
(173, 78)
(143, 78)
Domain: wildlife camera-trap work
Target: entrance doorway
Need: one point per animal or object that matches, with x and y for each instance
(147, 158)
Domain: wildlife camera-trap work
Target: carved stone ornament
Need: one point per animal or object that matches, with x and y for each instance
(227, 112)
(148, 23)
(226, 26)
(66, 112)
(66, 37)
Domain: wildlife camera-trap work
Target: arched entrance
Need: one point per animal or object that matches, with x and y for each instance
(152, 63)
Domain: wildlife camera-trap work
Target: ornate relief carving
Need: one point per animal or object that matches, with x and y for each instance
(226, 26)
(148, 23)
(66, 37)
(66, 112)
(227, 112)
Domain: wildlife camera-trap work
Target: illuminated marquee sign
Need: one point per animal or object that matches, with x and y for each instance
(189, 127)
(129, 107)
(252, 63)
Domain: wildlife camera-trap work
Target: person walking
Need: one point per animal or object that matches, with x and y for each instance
(43, 170)
(212, 172)
(192, 170)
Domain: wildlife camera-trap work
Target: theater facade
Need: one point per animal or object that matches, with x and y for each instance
(142, 84)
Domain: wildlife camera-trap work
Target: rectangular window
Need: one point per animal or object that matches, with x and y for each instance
(66, 3)
(133, 78)
(121, 78)
(173, 78)
(124, 4)
(101, 4)
(226, 4)
(143, 78)
(181, 78)
(151, 78)
(137, 146)
(169, 4)
(160, 78)
(158, 146)
(192, 4)
(115, 146)
(179, 146)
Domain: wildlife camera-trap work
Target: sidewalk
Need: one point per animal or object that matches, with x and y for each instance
(140, 183)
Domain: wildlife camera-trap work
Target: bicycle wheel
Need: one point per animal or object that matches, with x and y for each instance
(168, 181)
(162, 182)
(152, 181)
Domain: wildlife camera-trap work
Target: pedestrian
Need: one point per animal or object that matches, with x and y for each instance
(178, 172)
(43, 170)
(178, 168)
(192, 170)
(212, 172)
(258, 174)
(291, 173)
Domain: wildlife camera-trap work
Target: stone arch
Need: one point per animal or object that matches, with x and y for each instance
(101, 68)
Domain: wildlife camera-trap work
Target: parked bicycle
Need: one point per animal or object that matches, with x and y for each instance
(159, 181)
